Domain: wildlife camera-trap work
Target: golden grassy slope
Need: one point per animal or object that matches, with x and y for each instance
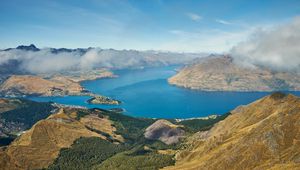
(262, 135)
(29, 85)
(38, 147)
(221, 73)
(103, 124)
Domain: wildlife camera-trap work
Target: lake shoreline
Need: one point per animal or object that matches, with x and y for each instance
(146, 93)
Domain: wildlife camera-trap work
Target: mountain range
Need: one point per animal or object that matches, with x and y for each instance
(88, 58)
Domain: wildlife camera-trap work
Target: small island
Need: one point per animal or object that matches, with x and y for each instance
(103, 100)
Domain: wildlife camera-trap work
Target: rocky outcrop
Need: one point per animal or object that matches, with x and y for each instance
(30, 47)
(222, 73)
(164, 131)
(262, 135)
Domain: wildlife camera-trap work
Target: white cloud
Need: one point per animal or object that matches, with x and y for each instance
(44, 61)
(194, 17)
(223, 22)
(41, 61)
(277, 48)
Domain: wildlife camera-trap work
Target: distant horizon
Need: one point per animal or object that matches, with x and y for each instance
(94, 47)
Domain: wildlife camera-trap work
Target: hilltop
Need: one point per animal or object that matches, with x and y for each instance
(164, 131)
(38, 147)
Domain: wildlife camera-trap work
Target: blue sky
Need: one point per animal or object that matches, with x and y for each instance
(175, 25)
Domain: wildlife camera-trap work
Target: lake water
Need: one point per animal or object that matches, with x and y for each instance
(146, 93)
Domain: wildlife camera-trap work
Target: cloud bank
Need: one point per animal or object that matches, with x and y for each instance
(278, 48)
(47, 61)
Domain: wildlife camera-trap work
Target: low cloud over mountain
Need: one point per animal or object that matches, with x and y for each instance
(49, 60)
(277, 48)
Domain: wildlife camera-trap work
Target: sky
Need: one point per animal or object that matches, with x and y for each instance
(169, 25)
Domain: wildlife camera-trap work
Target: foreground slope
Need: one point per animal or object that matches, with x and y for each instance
(61, 139)
(64, 137)
(38, 147)
(262, 135)
(221, 73)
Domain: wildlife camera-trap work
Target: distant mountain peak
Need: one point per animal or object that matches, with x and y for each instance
(31, 47)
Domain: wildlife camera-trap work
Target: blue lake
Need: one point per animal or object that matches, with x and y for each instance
(146, 93)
